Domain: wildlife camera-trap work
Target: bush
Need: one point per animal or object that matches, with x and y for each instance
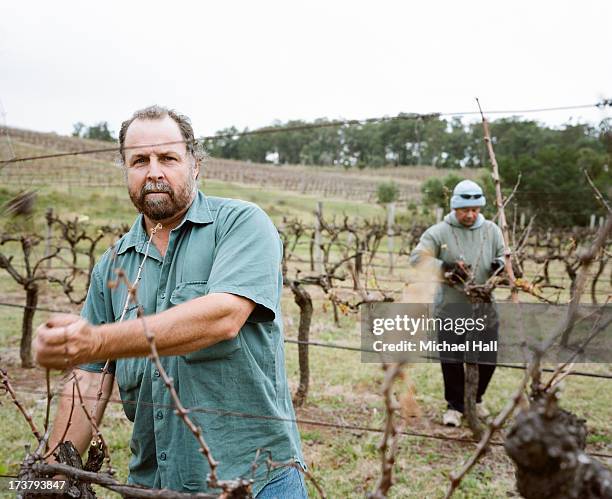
(438, 191)
(387, 192)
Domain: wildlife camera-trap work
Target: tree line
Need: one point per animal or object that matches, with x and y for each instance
(444, 143)
(550, 161)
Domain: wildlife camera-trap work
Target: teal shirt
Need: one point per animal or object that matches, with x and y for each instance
(221, 246)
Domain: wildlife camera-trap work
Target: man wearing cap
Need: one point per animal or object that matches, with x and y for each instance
(463, 244)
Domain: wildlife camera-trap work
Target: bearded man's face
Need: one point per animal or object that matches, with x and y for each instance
(161, 174)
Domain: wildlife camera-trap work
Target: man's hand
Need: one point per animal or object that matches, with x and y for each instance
(65, 340)
(455, 272)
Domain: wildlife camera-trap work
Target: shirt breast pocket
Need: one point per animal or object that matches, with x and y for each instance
(129, 373)
(186, 291)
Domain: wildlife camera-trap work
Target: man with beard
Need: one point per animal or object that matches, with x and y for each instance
(210, 289)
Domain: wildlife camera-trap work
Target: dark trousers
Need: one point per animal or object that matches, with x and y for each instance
(454, 382)
(453, 362)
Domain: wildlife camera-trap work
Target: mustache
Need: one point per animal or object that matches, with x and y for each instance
(151, 187)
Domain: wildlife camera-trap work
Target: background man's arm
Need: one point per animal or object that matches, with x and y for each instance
(80, 430)
(426, 252)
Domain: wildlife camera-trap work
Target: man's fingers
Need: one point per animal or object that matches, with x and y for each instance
(58, 335)
(63, 346)
(53, 351)
(60, 320)
(52, 336)
(53, 357)
(43, 349)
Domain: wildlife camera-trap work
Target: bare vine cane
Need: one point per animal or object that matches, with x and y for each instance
(500, 206)
(271, 464)
(507, 201)
(231, 488)
(389, 444)
(98, 441)
(131, 291)
(598, 195)
(564, 369)
(9, 388)
(49, 398)
(108, 482)
(68, 424)
(585, 259)
(79, 242)
(50, 394)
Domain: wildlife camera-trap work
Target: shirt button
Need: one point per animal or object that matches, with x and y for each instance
(159, 415)
(162, 456)
(163, 296)
(156, 373)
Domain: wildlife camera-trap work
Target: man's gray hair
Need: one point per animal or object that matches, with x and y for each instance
(156, 113)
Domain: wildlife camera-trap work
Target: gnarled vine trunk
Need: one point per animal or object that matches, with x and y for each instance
(547, 445)
(25, 347)
(304, 301)
(469, 399)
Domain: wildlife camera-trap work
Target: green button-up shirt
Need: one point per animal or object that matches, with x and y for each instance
(221, 246)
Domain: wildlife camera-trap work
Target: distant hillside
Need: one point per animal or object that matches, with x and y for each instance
(99, 169)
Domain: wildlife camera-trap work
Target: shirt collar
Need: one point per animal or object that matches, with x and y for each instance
(198, 213)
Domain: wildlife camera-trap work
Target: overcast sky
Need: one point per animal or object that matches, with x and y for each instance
(249, 63)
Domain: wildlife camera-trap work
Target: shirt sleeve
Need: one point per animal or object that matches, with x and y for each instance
(427, 251)
(247, 260)
(94, 312)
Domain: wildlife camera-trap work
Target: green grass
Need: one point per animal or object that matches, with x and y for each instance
(279, 204)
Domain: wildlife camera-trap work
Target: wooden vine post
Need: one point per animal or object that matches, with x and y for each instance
(471, 370)
(500, 208)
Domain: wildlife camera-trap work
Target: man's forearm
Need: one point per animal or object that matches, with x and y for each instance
(70, 413)
(190, 326)
(423, 257)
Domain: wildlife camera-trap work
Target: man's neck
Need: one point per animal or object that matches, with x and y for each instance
(162, 235)
(167, 224)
